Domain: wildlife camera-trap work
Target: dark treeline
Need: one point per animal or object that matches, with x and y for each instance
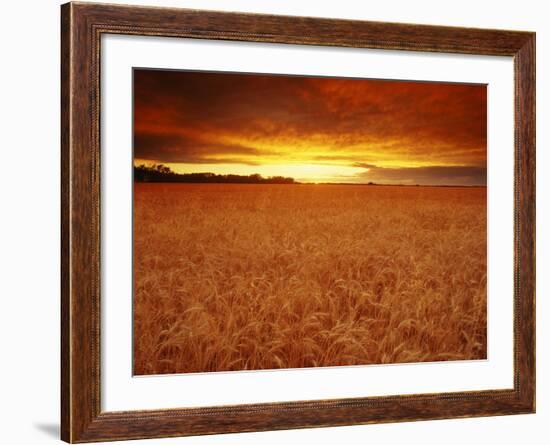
(162, 173)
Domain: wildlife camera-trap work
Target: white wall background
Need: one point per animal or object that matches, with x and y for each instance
(29, 221)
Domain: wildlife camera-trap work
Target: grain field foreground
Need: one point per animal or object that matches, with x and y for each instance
(233, 277)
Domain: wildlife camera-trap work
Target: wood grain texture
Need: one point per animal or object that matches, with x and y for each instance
(82, 27)
(65, 229)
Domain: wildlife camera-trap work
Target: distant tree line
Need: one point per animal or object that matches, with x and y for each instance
(162, 173)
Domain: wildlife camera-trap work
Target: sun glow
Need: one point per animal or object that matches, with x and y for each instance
(309, 173)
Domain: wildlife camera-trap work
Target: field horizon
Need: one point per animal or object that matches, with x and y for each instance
(159, 173)
(327, 183)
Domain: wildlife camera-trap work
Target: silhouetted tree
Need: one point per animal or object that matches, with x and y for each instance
(162, 173)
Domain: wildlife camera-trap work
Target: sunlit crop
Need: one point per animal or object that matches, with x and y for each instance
(234, 277)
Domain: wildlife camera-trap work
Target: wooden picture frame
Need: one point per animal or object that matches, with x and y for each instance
(82, 26)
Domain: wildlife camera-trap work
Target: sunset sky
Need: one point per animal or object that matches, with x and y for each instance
(313, 129)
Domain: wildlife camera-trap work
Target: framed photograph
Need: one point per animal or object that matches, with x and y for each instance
(275, 222)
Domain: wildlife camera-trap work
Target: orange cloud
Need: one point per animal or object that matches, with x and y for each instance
(253, 122)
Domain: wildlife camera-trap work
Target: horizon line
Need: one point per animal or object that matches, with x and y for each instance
(315, 183)
(164, 174)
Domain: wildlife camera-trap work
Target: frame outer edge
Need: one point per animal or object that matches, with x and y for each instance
(80, 230)
(65, 424)
(81, 417)
(525, 61)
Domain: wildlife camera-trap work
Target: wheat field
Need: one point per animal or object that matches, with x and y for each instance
(239, 277)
